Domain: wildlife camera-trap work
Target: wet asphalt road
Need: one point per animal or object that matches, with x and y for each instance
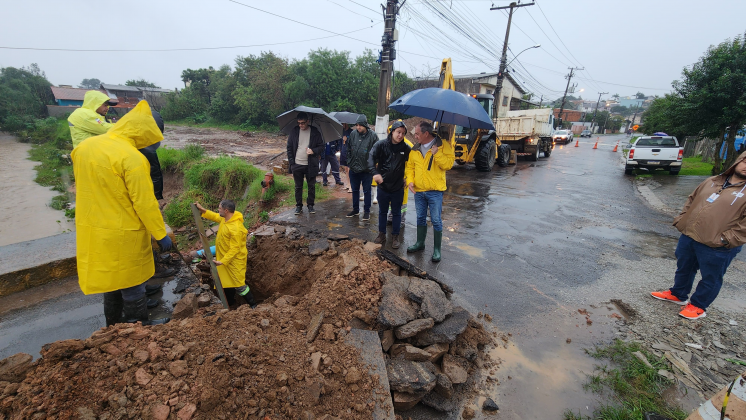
(516, 235)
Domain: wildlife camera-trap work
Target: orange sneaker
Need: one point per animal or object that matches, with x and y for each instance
(692, 312)
(667, 296)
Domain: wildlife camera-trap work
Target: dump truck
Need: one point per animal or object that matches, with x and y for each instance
(527, 131)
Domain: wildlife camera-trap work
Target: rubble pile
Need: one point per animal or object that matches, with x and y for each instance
(432, 346)
(286, 359)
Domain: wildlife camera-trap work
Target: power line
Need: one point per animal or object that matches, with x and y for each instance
(184, 49)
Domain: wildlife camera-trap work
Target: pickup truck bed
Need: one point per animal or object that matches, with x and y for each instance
(655, 152)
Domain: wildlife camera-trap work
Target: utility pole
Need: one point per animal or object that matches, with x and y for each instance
(504, 57)
(388, 55)
(541, 100)
(596, 110)
(568, 77)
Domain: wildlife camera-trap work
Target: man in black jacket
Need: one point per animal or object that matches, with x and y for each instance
(305, 146)
(386, 162)
(359, 144)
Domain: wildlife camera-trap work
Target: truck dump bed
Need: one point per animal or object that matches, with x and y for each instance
(525, 123)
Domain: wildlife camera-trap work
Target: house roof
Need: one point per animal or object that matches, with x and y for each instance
(514, 82)
(120, 87)
(70, 93)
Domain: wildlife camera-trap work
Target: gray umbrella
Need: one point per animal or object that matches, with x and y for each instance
(330, 128)
(345, 117)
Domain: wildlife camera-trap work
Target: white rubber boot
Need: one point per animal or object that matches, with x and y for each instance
(374, 194)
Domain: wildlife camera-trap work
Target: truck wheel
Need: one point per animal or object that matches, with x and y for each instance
(484, 159)
(535, 156)
(548, 151)
(503, 155)
(628, 170)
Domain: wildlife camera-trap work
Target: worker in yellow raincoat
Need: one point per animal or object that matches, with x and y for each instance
(90, 119)
(116, 214)
(230, 251)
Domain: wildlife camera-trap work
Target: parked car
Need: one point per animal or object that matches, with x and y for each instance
(655, 152)
(586, 133)
(564, 136)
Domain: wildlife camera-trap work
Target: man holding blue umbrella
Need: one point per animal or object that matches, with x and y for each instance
(426, 170)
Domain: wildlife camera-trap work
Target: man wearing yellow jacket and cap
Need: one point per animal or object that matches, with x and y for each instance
(426, 170)
(116, 214)
(230, 250)
(90, 119)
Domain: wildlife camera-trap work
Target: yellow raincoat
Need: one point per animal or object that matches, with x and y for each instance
(116, 210)
(85, 122)
(230, 248)
(429, 173)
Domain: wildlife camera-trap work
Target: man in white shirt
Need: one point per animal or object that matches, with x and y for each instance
(305, 147)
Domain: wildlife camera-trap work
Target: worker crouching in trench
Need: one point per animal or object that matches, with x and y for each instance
(230, 251)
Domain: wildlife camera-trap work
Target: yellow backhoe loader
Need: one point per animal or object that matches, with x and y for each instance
(481, 147)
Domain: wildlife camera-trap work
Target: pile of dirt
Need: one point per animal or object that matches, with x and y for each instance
(286, 359)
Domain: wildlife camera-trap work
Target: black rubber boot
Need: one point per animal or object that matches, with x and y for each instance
(113, 304)
(151, 289)
(437, 239)
(421, 236)
(137, 310)
(162, 271)
(249, 298)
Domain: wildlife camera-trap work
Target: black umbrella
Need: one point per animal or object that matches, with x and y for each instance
(345, 117)
(330, 128)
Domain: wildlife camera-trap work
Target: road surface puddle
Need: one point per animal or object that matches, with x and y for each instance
(27, 215)
(469, 250)
(543, 369)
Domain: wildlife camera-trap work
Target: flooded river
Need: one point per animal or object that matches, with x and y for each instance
(25, 204)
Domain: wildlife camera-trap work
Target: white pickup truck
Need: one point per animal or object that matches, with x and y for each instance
(655, 152)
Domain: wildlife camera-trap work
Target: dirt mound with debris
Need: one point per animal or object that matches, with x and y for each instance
(286, 359)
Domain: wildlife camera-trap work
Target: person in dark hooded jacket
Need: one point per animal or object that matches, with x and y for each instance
(713, 230)
(387, 161)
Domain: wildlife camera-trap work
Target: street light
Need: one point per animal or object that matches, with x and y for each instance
(516, 56)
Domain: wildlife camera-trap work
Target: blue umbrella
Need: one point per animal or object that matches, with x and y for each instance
(444, 106)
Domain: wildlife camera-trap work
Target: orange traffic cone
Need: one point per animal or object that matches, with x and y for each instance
(595, 146)
(576, 143)
(616, 147)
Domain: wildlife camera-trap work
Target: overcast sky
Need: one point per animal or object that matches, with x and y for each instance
(642, 44)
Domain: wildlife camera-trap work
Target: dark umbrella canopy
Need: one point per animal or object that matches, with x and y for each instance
(345, 117)
(444, 106)
(330, 128)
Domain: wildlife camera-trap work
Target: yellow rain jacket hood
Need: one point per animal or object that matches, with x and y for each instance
(230, 248)
(85, 122)
(116, 210)
(429, 172)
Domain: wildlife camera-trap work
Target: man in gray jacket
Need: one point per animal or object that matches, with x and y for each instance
(358, 145)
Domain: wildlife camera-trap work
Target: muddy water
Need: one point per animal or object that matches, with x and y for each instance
(541, 375)
(25, 205)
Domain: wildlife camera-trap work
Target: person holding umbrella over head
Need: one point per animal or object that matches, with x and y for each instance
(359, 144)
(304, 148)
(426, 170)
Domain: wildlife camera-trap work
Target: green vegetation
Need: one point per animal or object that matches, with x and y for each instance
(635, 388)
(633, 139)
(24, 95)
(695, 166)
(708, 100)
(209, 180)
(258, 88)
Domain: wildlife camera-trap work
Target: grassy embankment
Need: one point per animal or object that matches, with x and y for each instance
(209, 180)
(51, 147)
(690, 166)
(634, 387)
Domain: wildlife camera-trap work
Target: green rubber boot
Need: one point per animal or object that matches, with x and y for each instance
(421, 236)
(437, 239)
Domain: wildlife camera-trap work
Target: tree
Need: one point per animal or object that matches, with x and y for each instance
(615, 96)
(24, 94)
(260, 87)
(90, 84)
(640, 95)
(713, 95)
(140, 83)
(666, 114)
